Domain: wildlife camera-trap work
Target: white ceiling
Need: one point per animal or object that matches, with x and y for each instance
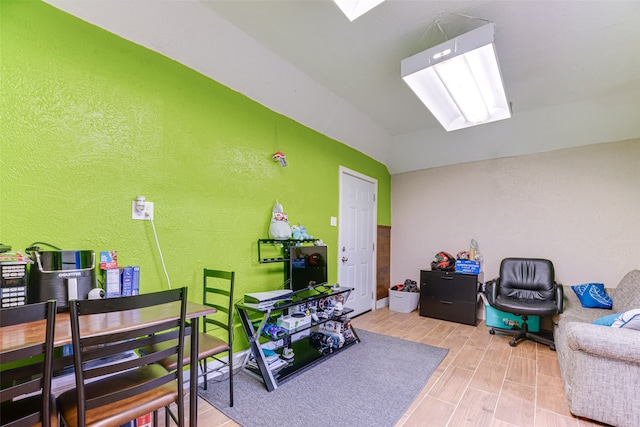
(571, 68)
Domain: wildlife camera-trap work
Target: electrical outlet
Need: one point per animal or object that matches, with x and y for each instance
(148, 210)
(334, 221)
(146, 213)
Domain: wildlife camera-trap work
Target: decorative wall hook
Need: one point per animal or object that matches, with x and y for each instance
(279, 156)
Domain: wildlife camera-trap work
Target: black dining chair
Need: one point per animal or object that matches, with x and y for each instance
(113, 384)
(26, 368)
(217, 293)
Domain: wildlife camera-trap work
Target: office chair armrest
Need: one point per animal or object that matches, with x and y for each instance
(491, 289)
(559, 297)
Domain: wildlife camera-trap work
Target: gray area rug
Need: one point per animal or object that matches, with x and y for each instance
(372, 383)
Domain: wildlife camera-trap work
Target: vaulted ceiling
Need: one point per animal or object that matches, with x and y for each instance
(571, 68)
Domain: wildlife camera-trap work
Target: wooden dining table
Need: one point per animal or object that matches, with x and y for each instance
(13, 337)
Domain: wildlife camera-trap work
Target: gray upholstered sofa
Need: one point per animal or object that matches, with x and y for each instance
(600, 365)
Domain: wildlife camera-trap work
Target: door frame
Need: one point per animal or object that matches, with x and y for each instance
(374, 226)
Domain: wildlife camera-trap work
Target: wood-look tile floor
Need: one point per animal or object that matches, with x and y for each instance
(483, 381)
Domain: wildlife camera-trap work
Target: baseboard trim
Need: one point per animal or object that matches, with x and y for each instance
(217, 374)
(381, 303)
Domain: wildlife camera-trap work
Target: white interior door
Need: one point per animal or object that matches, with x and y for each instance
(357, 238)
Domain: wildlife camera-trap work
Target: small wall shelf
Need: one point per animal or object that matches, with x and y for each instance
(284, 248)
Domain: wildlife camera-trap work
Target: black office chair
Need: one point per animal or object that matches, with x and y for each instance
(525, 287)
(217, 293)
(27, 369)
(124, 388)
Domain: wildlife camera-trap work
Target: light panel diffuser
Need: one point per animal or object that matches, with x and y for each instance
(459, 80)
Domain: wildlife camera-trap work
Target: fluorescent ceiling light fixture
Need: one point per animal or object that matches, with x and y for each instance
(356, 8)
(459, 80)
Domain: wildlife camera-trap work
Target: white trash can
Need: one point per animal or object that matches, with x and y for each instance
(404, 302)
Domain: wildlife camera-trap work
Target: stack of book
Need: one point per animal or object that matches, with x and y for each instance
(274, 362)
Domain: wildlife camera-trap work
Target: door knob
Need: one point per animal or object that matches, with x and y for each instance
(345, 259)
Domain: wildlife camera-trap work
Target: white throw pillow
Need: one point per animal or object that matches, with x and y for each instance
(629, 319)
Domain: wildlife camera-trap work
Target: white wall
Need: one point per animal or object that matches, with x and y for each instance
(578, 207)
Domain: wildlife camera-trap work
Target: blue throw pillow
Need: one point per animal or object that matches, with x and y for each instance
(593, 295)
(606, 320)
(629, 319)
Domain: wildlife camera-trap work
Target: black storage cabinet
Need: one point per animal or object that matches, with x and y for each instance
(449, 296)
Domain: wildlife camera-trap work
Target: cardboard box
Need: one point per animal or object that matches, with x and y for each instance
(135, 281)
(500, 319)
(108, 259)
(404, 302)
(126, 281)
(112, 282)
(291, 323)
(466, 266)
(144, 421)
(332, 326)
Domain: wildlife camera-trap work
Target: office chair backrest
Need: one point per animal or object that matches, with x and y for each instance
(25, 371)
(527, 278)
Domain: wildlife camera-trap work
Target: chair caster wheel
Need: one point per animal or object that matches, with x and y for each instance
(492, 332)
(513, 343)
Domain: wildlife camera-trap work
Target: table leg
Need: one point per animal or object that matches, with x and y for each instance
(193, 371)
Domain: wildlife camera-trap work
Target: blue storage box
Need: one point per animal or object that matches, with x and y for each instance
(466, 266)
(500, 319)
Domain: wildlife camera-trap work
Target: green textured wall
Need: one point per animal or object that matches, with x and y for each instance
(89, 121)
